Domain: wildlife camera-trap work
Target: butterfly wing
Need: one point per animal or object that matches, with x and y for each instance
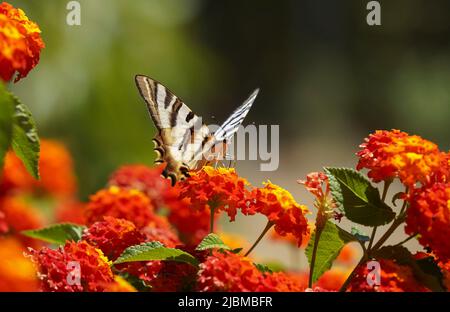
(181, 133)
(217, 148)
(231, 125)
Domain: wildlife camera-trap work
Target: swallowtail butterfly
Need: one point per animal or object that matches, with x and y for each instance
(183, 142)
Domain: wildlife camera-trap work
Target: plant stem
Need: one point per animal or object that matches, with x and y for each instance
(399, 220)
(313, 257)
(350, 277)
(407, 239)
(211, 220)
(386, 185)
(372, 238)
(267, 228)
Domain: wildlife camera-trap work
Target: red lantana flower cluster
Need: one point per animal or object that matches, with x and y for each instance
(233, 273)
(429, 216)
(394, 278)
(56, 274)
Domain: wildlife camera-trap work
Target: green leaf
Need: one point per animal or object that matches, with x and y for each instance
(360, 200)
(155, 251)
(236, 250)
(25, 140)
(276, 266)
(212, 241)
(332, 240)
(426, 271)
(6, 122)
(262, 268)
(57, 233)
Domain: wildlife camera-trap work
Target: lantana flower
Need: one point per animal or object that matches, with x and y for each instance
(192, 224)
(20, 43)
(394, 277)
(55, 272)
(119, 285)
(70, 211)
(281, 210)
(317, 184)
(17, 273)
(19, 216)
(228, 272)
(282, 282)
(128, 204)
(147, 180)
(429, 216)
(112, 236)
(56, 170)
(395, 154)
(218, 189)
(290, 239)
(333, 279)
(348, 255)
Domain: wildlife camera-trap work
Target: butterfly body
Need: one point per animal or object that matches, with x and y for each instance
(183, 141)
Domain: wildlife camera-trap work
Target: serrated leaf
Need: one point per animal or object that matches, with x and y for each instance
(212, 241)
(262, 268)
(57, 233)
(359, 199)
(25, 140)
(332, 240)
(155, 251)
(6, 122)
(426, 272)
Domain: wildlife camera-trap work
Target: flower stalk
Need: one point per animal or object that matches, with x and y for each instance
(266, 229)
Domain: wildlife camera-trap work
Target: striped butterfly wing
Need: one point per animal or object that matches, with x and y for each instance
(181, 134)
(231, 125)
(222, 136)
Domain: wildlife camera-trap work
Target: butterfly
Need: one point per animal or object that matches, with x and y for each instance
(183, 141)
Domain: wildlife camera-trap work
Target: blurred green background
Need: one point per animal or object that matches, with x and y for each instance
(326, 77)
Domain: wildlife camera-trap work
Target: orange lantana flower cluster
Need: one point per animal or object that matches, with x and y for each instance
(116, 202)
(223, 190)
(20, 43)
(281, 209)
(20, 197)
(395, 154)
(17, 273)
(218, 189)
(55, 168)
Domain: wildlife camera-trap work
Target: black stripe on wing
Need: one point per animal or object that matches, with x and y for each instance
(231, 125)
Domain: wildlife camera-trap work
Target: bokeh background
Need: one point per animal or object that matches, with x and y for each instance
(326, 77)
